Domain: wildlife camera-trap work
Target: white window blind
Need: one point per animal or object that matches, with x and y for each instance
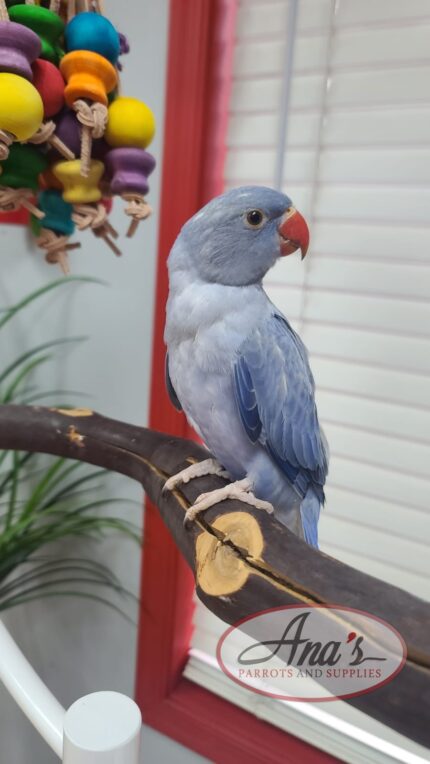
(355, 159)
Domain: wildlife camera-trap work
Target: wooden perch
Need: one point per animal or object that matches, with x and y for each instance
(243, 559)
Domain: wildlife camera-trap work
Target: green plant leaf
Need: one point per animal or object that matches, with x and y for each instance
(6, 477)
(40, 396)
(23, 374)
(23, 598)
(14, 488)
(46, 504)
(68, 489)
(57, 472)
(9, 313)
(38, 349)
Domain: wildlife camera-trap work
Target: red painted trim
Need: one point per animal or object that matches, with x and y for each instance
(20, 217)
(226, 734)
(196, 115)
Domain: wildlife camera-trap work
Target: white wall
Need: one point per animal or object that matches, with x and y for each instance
(76, 646)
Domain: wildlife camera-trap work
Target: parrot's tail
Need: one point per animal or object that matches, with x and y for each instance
(310, 512)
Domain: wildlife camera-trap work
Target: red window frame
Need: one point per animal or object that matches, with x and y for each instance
(19, 217)
(196, 113)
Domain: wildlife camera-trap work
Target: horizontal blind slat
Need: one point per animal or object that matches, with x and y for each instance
(376, 513)
(370, 347)
(375, 416)
(382, 127)
(407, 165)
(380, 483)
(379, 449)
(368, 12)
(372, 382)
(410, 556)
(387, 240)
(373, 203)
(262, 95)
(394, 85)
(349, 307)
(403, 281)
(390, 573)
(255, 20)
(355, 47)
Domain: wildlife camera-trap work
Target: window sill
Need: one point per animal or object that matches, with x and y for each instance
(338, 733)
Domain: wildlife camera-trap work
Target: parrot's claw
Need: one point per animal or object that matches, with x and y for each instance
(199, 469)
(240, 490)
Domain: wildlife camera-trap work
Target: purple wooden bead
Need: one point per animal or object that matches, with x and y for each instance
(19, 47)
(69, 130)
(129, 169)
(99, 149)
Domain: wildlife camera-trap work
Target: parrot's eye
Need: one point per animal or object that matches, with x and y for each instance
(254, 218)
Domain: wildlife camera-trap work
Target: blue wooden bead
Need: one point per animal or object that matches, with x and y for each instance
(90, 31)
(58, 213)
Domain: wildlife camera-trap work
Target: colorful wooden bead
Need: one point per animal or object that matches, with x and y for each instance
(21, 110)
(58, 212)
(84, 193)
(90, 31)
(88, 76)
(22, 167)
(130, 123)
(53, 234)
(68, 129)
(77, 189)
(50, 85)
(100, 149)
(47, 180)
(35, 225)
(19, 178)
(19, 47)
(47, 26)
(129, 170)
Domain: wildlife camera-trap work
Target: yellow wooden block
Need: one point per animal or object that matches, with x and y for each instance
(77, 189)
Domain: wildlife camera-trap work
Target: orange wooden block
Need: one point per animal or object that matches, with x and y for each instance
(88, 75)
(47, 180)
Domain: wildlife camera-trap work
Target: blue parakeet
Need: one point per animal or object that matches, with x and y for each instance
(234, 364)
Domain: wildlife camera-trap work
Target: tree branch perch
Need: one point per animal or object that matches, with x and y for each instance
(243, 559)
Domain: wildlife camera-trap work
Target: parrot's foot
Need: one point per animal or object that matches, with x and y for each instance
(199, 469)
(241, 490)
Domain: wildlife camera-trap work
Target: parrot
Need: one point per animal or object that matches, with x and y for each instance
(236, 367)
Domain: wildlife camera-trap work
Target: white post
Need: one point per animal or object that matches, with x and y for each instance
(28, 690)
(102, 728)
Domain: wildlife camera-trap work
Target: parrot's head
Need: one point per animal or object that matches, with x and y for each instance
(238, 236)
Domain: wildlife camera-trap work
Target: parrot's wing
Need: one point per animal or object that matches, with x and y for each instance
(170, 389)
(275, 396)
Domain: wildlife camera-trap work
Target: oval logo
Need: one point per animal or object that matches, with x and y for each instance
(313, 653)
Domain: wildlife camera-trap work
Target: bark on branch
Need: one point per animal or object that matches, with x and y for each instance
(243, 559)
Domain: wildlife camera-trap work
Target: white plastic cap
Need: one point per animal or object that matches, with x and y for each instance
(102, 728)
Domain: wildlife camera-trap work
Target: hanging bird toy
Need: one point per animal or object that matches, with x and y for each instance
(69, 143)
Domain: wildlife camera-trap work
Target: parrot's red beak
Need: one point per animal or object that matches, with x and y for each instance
(293, 233)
